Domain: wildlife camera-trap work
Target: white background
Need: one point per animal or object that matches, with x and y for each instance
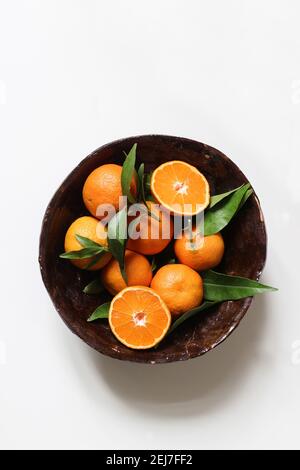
(75, 74)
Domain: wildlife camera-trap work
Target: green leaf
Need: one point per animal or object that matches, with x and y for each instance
(148, 182)
(219, 287)
(141, 189)
(219, 197)
(87, 243)
(93, 288)
(147, 187)
(204, 306)
(142, 195)
(95, 259)
(245, 198)
(150, 198)
(82, 254)
(100, 312)
(216, 218)
(117, 238)
(127, 174)
(153, 264)
(90, 250)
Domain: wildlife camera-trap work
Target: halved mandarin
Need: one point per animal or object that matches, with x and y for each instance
(180, 187)
(138, 317)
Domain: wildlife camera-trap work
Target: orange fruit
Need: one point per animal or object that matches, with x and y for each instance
(103, 186)
(90, 228)
(200, 253)
(179, 286)
(153, 235)
(180, 187)
(138, 317)
(138, 270)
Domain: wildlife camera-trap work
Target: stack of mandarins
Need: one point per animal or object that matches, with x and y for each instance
(141, 312)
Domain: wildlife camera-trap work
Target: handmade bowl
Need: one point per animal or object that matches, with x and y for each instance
(245, 254)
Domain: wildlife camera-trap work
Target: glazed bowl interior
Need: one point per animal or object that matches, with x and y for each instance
(245, 253)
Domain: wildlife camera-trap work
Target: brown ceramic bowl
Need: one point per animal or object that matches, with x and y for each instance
(245, 254)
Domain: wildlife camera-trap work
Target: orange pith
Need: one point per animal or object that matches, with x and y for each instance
(180, 187)
(138, 317)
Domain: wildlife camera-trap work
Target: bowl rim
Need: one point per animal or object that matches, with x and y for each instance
(246, 302)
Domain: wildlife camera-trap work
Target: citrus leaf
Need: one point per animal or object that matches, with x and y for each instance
(141, 189)
(219, 287)
(147, 187)
(150, 198)
(219, 197)
(95, 259)
(245, 198)
(87, 243)
(82, 254)
(142, 193)
(148, 181)
(100, 312)
(127, 174)
(204, 306)
(153, 264)
(216, 218)
(117, 238)
(94, 287)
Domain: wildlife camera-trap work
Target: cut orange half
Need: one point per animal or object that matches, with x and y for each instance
(138, 317)
(180, 187)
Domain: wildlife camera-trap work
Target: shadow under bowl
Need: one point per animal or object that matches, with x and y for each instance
(245, 253)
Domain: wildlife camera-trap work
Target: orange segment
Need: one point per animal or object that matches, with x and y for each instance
(138, 317)
(180, 187)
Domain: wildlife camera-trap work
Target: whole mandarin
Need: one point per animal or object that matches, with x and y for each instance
(91, 228)
(200, 253)
(180, 287)
(103, 187)
(154, 233)
(137, 268)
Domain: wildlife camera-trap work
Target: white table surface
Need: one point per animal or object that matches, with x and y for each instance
(75, 74)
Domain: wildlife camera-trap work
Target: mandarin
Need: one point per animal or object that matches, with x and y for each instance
(91, 228)
(138, 317)
(103, 187)
(137, 268)
(180, 287)
(180, 188)
(154, 232)
(200, 253)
